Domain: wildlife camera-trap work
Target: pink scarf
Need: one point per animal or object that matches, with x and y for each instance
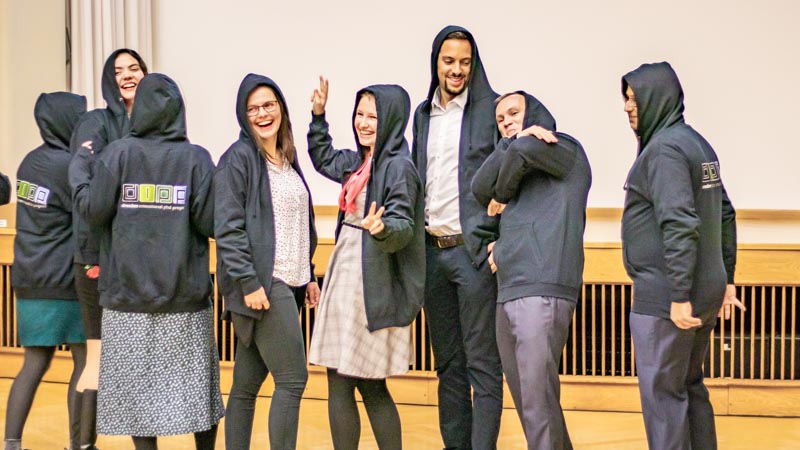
(353, 187)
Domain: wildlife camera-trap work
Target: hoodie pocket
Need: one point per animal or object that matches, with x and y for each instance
(518, 254)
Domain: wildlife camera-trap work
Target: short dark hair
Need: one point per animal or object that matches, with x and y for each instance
(135, 56)
(457, 35)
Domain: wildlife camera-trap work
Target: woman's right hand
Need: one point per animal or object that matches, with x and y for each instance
(320, 97)
(257, 300)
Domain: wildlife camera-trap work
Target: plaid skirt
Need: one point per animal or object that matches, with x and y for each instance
(341, 339)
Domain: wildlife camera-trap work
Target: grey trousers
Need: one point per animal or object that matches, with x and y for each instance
(669, 362)
(531, 333)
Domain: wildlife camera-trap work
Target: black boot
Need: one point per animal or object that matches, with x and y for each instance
(89, 420)
(75, 421)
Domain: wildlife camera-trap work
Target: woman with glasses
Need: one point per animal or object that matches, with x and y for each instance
(265, 239)
(373, 287)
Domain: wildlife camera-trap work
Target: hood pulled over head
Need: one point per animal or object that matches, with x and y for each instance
(158, 111)
(659, 99)
(56, 115)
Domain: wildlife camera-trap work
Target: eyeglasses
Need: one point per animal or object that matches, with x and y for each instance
(269, 107)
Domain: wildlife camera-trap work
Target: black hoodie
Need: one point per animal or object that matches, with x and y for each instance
(44, 242)
(678, 225)
(5, 189)
(244, 217)
(392, 261)
(101, 126)
(154, 190)
(478, 136)
(545, 187)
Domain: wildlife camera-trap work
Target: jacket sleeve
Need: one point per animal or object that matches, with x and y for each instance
(414, 138)
(528, 154)
(728, 236)
(400, 197)
(202, 197)
(233, 245)
(329, 162)
(670, 184)
(5, 189)
(485, 179)
(88, 140)
(102, 194)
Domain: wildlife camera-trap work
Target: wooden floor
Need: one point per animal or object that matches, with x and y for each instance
(47, 428)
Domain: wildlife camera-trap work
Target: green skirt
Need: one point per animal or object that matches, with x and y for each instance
(49, 322)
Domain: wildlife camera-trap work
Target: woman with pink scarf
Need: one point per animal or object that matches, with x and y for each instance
(373, 288)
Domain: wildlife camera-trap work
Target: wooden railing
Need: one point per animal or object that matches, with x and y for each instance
(759, 344)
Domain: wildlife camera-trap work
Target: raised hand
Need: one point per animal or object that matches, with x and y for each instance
(539, 133)
(372, 222)
(320, 96)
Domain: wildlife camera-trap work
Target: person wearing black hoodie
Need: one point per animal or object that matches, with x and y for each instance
(266, 237)
(159, 372)
(5, 189)
(544, 180)
(374, 284)
(48, 314)
(454, 132)
(679, 248)
(122, 72)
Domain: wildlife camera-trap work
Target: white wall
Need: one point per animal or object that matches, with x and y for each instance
(32, 61)
(738, 62)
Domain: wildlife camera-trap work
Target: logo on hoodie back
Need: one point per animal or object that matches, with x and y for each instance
(32, 194)
(154, 196)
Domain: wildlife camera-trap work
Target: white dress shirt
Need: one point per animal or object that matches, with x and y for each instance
(441, 185)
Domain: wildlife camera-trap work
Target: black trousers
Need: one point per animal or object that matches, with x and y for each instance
(460, 302)
(277, 347)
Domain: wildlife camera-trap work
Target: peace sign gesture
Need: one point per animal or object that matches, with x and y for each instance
(372, 222)
(320, 97)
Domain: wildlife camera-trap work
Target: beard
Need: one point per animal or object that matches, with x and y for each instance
(455, 91)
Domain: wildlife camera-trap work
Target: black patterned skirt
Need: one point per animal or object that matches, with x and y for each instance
(159, 374)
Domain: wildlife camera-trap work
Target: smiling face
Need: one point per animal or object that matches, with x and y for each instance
(128, 72)
(631, 108)
(366, 121)
(453, 68)
(264, 114)
(510, 115)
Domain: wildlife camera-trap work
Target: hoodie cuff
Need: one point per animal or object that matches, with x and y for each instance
(317, 118)
(249, 285)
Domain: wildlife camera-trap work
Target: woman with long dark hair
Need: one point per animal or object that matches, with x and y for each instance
(123, 70)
